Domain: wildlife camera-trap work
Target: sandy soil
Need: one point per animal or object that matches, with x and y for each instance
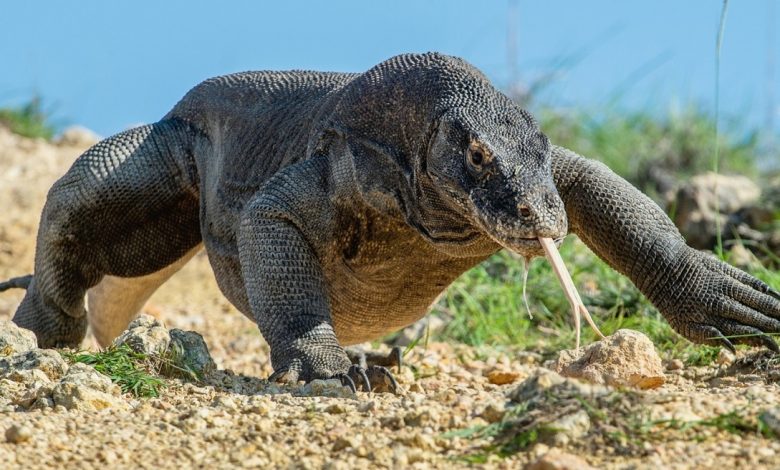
(244, 422)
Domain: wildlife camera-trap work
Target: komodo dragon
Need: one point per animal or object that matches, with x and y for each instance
(336, 207)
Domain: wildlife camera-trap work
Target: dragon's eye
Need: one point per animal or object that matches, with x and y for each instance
(476, 158)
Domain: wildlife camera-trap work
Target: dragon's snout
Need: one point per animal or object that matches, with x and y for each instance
(517, 220)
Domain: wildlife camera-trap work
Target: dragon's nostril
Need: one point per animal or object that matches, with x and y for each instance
(524, 210)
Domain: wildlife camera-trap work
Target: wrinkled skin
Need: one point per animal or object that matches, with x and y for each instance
(501, 181)
(335, 208)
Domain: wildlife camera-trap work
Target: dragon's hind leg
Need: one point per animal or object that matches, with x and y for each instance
(128, 207)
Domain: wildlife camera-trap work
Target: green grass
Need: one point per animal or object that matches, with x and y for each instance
(621, 418)
(134, 372)
(639, 428)
(29, 120)
(504, 440)
(487, 308)
(630, 143)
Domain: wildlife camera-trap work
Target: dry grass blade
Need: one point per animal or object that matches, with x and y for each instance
(577, 307)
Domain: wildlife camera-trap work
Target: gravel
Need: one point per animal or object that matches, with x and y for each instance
(452, 395)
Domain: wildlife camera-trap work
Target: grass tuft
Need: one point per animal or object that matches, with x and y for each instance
(132, 371)
(29, 120)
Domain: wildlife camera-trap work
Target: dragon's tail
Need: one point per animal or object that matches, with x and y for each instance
(22, 282)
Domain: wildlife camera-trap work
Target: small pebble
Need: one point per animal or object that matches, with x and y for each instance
(725, 357)
(499, 377)
(675, 364)
(335, 409)
(17, 434)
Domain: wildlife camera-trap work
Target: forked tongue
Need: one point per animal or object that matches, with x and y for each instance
(578, 309)
(526, 268)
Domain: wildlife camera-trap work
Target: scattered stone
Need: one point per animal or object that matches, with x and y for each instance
(46, 360)
(327, 388)
(15, 340)
(771, 419)
(189, 352)
(558, 460)
(10, 391)
(145, 335)
(625, 358)
(552, 406)
(420, 417)
(567, 428)
(429, 325)
(84, 388)
(725, 357)
(17, 434)
(36, 391)
(493, 412)
(343, 442)
(675, 364)
(270, 428)
(28, 377)
(710, 201)
(546, 382)
(500, 377)
(528, 358)
(335, 409)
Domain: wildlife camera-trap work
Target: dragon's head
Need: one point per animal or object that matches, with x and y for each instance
(463, 163)
(494, 164)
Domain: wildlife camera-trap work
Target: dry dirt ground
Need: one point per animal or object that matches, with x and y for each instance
(701, 418)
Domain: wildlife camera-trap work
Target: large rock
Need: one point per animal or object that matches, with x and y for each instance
(46, 360)
(625, 359)
(711, 199)
(189, 354)
(14, 340)
(84, 388)
(146, 335)
(185, 353)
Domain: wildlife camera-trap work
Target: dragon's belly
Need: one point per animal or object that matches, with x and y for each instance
(366, 308)
(389, 281)
(364, 311)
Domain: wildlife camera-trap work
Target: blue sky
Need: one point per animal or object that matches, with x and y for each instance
(111, 65)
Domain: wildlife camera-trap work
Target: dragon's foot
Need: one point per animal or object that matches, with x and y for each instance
(366, 375)
(371, 369)
(367, 359)
(374, 378)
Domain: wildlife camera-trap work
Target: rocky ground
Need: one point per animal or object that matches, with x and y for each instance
(457, 406)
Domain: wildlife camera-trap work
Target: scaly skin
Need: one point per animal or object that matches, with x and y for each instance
(335, 208)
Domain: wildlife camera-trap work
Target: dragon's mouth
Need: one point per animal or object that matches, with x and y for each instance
(449, 237)
(525, 246)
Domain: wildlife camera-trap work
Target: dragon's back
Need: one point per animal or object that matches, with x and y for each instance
(258, 122)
